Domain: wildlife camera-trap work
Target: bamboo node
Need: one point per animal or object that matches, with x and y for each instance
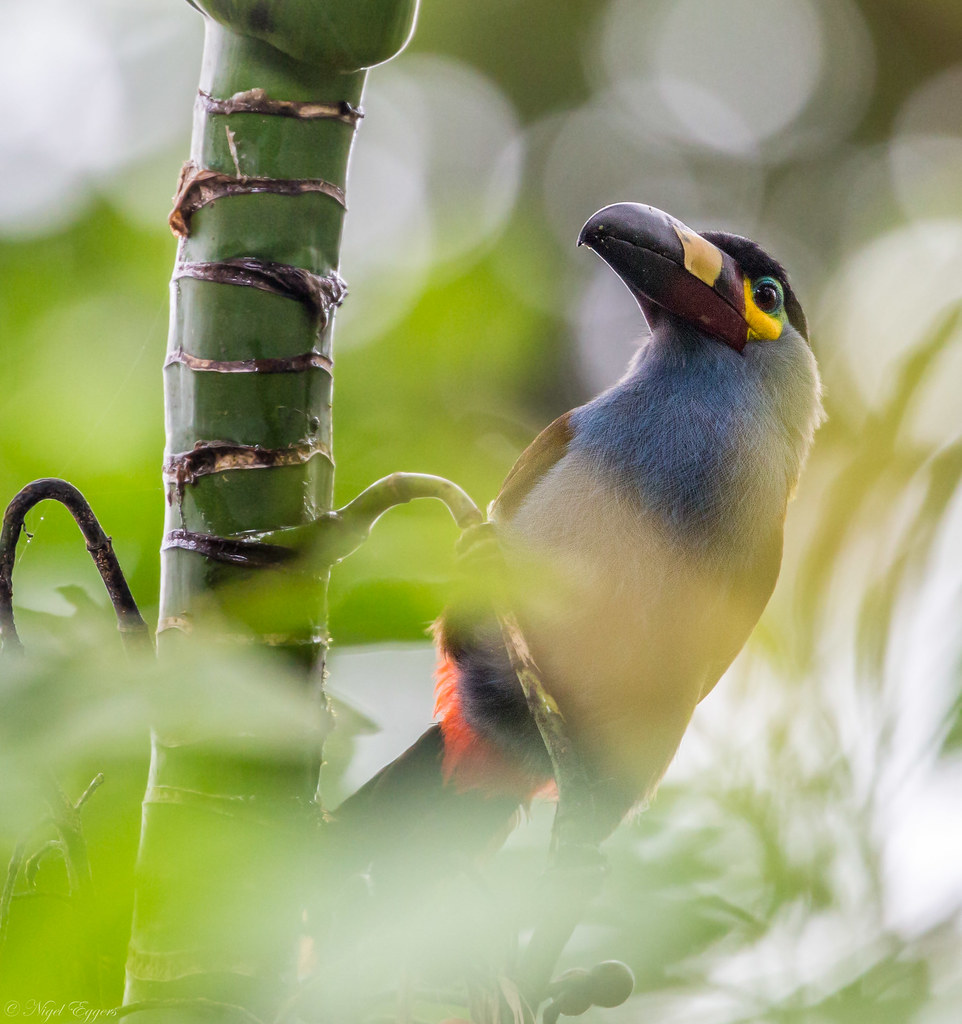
(256, 101)
(199, 186)
(321, 293)
(207, 457)
(233, 551)
(284, 364)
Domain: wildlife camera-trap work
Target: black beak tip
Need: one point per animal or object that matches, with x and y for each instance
(590, 234)
(610, 222)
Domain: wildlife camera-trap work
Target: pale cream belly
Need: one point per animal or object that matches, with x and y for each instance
(628, 634)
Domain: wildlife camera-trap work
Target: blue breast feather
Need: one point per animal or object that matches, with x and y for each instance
(707, 440)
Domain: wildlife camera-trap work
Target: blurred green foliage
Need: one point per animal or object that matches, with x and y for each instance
(801, 864)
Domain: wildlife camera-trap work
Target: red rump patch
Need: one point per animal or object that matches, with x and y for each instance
(471, 761)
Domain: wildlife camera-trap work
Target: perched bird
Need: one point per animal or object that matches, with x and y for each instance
(643, 534)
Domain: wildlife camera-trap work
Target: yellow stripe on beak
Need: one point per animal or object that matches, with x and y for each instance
(702, 258)
(762, 327)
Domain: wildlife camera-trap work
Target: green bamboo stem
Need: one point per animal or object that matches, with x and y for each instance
(248, 381)
(288, 413)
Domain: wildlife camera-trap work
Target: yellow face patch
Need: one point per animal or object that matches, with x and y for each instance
(762, 327)
(702, 258)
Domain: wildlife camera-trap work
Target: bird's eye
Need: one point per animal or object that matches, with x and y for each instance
(767, 294)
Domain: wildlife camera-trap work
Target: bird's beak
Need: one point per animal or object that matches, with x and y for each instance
(664, 262)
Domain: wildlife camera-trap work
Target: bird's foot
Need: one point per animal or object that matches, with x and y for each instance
(609, 983)
(478, 541)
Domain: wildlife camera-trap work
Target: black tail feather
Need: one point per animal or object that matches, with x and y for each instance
(408, 825)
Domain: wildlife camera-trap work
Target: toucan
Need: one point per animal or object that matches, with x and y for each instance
(643, 533)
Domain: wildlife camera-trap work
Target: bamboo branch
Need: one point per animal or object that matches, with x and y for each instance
(95, 783)
(66, 820)
(129, 620)
(65, 816)
(32, 865)
(353, 523)
(400, 488)
(229, 1011)
(6, 897)
(331, 538)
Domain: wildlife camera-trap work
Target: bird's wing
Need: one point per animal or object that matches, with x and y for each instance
(452, 635)
(548, 448)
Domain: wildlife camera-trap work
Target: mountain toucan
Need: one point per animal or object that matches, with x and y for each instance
(644, 533)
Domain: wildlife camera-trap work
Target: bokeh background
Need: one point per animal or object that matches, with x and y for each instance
(803, 861)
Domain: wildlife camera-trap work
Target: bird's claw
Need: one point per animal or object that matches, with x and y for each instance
(479, 539)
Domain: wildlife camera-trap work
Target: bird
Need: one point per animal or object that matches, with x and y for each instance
(642, 534)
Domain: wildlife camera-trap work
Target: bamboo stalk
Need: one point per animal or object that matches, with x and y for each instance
(248, 382)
